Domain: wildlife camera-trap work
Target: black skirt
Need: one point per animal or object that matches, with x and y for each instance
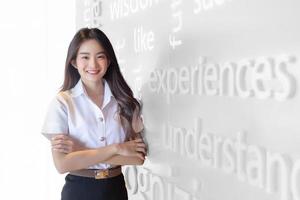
(84, 188)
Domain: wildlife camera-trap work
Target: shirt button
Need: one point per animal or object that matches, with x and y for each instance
(101, 119)
(102, 139)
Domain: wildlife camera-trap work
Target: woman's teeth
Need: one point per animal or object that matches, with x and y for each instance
(93, 71)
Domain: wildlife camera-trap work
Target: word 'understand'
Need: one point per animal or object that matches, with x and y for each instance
(274, 172)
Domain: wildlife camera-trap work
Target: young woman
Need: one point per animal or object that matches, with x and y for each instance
(94, 122)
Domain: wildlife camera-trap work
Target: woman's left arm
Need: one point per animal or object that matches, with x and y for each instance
(138, 127)
(124, 160)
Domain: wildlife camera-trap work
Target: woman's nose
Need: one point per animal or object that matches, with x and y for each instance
(93, 63)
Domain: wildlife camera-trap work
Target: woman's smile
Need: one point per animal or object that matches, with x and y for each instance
(93, 71)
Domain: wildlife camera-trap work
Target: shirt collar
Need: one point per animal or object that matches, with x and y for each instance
(107, 94)
(79, 90)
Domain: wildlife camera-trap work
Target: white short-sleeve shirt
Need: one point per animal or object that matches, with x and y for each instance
(72, 112)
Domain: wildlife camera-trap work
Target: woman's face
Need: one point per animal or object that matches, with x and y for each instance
(91, 61)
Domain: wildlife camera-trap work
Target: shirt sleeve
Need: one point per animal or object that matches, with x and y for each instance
(56, 120)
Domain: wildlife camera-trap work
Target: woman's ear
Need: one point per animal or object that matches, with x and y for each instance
(73, 63)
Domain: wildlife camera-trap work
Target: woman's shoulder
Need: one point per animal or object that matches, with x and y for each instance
(62, 97)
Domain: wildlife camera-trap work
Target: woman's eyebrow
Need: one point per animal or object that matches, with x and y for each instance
(100, 52)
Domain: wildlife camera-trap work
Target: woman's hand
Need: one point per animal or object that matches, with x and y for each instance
(133, 148)
(66, 144)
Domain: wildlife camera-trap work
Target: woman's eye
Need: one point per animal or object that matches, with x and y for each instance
(101, 57)
(85, 57)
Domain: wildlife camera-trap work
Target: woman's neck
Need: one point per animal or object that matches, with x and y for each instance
(94, 89)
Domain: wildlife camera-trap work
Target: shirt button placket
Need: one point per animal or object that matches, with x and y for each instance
(102, 139)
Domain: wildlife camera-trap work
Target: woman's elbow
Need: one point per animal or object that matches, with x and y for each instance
(60, 162)
(61, 169)
(61, 166)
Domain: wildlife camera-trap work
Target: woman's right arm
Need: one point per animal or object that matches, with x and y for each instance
(84, 158)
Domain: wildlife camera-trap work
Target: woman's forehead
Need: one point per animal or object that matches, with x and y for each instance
(91, 46)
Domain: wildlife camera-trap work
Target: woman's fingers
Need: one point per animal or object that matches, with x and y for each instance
(138, 140)
(64, 139)
(133, 148)
(58, 141)
(62, 143)
(60, 137)
(143, 150)
(141, 156)
(62, 148)
(73, 144)
(141, 145)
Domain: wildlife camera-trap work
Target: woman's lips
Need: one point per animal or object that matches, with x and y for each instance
(93, 72)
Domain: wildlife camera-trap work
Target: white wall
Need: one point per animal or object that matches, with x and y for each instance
(206, 142)
(34, 35)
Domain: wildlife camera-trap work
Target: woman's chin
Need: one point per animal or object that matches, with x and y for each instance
(92, 79)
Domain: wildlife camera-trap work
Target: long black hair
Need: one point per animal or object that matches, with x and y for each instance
(127, 104)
